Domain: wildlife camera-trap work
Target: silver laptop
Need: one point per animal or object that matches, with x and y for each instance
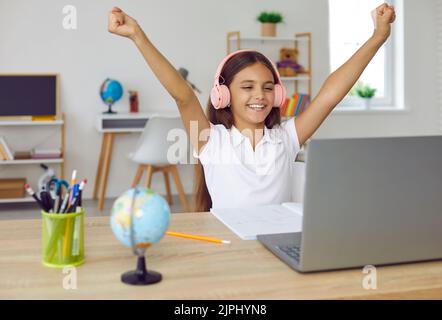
(368, 201)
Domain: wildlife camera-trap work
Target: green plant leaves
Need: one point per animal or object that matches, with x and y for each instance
(363, 90)
(270, 17)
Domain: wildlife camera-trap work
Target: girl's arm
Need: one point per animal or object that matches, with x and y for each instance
(340, 82)
(190, 109)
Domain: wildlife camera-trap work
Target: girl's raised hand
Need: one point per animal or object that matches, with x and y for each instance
(121, 24)
(383, 16)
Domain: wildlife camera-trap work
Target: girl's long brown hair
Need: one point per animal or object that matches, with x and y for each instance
(202, 201)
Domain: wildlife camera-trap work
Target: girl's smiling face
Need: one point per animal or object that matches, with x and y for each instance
(252, 95)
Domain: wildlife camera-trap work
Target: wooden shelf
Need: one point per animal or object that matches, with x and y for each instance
(297, 78)
(31, 123)
(235, 40)
(60, 122)
(31, 161)
(17, 200)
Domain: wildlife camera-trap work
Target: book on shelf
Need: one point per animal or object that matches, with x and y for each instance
(3, 155)
(22, 155)
(46, 154)
(12, 188)
(6, 149)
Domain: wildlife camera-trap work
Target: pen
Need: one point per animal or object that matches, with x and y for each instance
(64, 207)
(75, 191)
(73, 182)
(189, 236)
(73, 198)
(57, 202)
(44, 201)
(33, 195)
(73, 201)
(65, 201)
(73, 206)
(76, 201)
(60, 202)
(80, 194)
(47, 201)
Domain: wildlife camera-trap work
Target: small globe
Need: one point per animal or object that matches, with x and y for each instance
(111, 91)
(151, 214)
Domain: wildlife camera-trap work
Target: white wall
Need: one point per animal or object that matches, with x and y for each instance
(191, 34)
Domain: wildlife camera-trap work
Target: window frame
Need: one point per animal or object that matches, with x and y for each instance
(389, 101)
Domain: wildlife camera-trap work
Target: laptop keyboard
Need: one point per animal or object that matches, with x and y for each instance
(292, 251)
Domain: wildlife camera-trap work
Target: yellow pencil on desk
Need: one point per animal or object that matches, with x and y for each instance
(190, 236)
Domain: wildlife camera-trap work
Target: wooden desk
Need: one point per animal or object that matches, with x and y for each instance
(191, 269)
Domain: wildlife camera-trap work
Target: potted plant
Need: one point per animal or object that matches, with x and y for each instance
(363, 91)
(268, 22)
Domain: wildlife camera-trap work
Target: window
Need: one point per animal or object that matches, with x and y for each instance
(350, 26)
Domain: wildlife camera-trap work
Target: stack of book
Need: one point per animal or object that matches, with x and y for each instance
(46, 154)
(12, 188)
(295, 105)
(5, 151)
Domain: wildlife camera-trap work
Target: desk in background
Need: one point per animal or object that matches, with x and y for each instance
(192, 269)
(110, 125)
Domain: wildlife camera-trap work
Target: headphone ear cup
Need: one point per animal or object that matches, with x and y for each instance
(279, 95)
(220, 96)
(214, 97)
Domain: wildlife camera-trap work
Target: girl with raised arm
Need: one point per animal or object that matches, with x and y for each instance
(246, 152)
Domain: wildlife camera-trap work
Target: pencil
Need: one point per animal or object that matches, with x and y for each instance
(71, 195)
(66, 238)
(189, 236)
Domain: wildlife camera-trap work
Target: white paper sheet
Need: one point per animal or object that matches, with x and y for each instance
(247, 223)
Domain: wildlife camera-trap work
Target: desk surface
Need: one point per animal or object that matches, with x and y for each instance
(191, 269)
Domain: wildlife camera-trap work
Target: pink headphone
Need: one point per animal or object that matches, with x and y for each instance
(220, 94)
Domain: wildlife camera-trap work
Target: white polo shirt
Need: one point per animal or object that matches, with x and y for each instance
(237, 176)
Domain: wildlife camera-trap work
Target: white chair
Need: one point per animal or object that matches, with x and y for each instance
(155, 153)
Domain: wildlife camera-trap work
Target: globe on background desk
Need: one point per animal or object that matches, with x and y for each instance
(140, 218)
(110, 92)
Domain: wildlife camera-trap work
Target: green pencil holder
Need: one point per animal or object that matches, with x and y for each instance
(62, 239)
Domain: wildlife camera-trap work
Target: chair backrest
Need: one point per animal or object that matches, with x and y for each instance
(164, 141)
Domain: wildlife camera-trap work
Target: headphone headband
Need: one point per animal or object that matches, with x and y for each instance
(224, 61)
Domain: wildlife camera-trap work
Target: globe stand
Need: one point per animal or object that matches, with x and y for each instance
(109, 111)
(140, 276)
